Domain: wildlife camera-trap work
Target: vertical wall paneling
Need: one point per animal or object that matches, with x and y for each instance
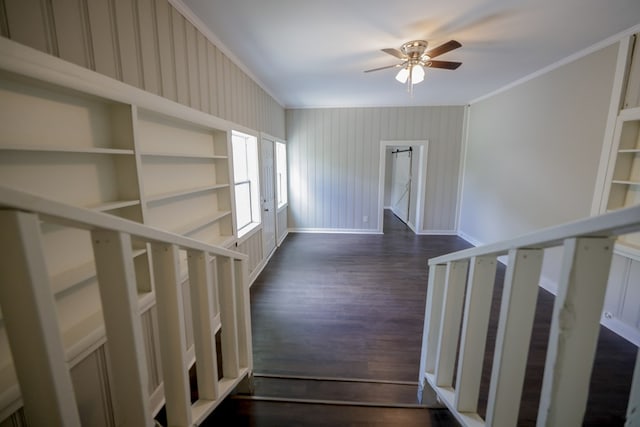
(180, 56)
(28, 25)
(128, 39)
(334, 170)
(220, 81)
(212, 79)
(71, 32)
(192, 65)
(4, 23)
(203, 86)
(164, 28)
(149, 54)
(103, 40)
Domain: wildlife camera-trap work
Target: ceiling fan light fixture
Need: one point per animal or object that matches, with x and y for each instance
(403, 75)
(417, 74)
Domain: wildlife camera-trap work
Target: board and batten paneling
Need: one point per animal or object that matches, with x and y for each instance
(147, 44)
(252, 247)
(334, 159)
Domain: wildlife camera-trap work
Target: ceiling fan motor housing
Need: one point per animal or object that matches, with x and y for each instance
(414, 49)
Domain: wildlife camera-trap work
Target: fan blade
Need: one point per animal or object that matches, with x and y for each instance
(383, 68)
(447, 65)
(443, 48)
(395, 52)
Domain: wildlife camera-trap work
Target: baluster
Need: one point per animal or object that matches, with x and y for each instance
(517, 310)
(171, 326)
(633, 409)
(228, 317)
(575, 326)
(450, 324)
(432, 318)
(31, 323)
(482, 273)
(244, 314)
(116, 278)
(201, 282)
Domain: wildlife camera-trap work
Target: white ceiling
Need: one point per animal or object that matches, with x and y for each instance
(313, 53)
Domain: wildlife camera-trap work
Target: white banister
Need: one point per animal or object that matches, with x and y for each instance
(432, 318)
(482, 273)
(572, 338)
(574, 331)
(30, 318)
(245, 356)
(633, 410)
(450, 323)
(173, 342)
(202, 287)
(517, 311)
(228, 316)
(219, 299)
(115, 272)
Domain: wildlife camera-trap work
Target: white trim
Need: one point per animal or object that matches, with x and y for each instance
(601, 193)
(438, 233)
(284, 236)
(463, 163)
(333, 231)
(185, 11)
(423, 155)
(584, 52)
(469, 239)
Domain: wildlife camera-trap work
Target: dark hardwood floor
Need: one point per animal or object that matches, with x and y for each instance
(352, 306)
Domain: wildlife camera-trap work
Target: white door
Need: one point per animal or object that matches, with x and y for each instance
(268, 198)
(401, 183)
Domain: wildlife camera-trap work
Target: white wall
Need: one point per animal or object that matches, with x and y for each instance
(334, 156)
(533, 151)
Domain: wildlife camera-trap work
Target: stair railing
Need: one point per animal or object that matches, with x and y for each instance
(31, 323)
(457, 311)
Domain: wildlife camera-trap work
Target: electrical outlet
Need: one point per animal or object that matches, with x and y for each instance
(365, 219)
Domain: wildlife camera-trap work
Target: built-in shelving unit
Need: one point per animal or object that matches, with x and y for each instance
(624, 189)
(151, 161)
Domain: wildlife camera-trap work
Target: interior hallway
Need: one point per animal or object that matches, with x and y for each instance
(352, 306)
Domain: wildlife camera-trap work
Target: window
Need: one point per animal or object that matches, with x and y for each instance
(245, 179)
(281, 174)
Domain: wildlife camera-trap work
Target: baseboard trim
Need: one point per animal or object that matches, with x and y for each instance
(438, 233)
(332, 402)
(334, 231)
(335, 379)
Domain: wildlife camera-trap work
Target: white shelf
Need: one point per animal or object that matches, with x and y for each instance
(174, 194)
(183, 155)
(66, 150)
(201, 223)
(110, 206)
(629, 150)
(72, 277)
(623, 182)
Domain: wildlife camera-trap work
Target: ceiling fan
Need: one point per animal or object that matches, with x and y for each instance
(415, 57)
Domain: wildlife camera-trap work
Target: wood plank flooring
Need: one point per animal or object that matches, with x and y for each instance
(334, 305)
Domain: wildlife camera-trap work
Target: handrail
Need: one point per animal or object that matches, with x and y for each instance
(89, 220)
(458, 307)
(614, 223)
(219, 299)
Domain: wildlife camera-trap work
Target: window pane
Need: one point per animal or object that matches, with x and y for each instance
(281, 168)
(240, 172)
(243, 204)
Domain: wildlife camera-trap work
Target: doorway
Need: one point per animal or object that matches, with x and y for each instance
(401, 185)
(267, 193)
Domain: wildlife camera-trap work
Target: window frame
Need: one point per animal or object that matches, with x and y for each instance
(252, 178)
(282, 176)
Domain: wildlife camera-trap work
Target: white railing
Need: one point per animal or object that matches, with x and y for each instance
(457, 315)
(30, 318)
